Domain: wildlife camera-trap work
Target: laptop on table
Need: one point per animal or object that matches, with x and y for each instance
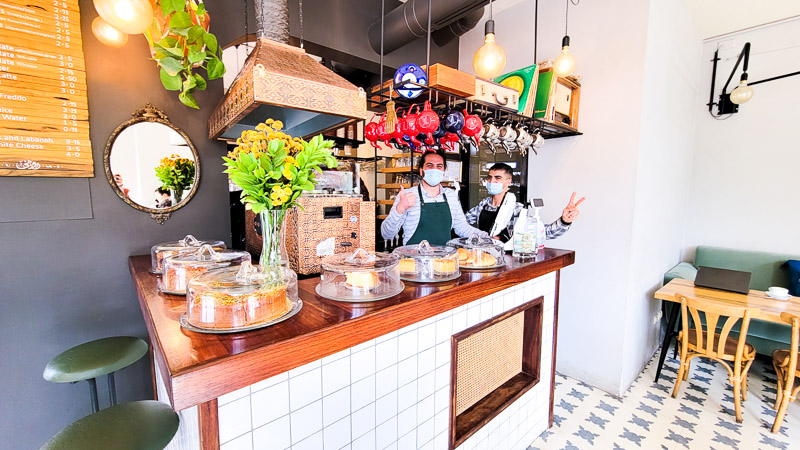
(723, 279)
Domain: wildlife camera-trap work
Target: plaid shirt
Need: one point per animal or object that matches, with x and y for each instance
(552, 230)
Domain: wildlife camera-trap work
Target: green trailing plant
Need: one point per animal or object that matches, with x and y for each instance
(181, 45)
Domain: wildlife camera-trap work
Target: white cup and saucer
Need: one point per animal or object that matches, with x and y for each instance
(778, 293)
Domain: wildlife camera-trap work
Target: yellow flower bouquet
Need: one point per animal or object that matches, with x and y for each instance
(273, 169)
(177, 174)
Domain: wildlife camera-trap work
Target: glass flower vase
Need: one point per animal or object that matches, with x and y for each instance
(274, 260)
(177, 196)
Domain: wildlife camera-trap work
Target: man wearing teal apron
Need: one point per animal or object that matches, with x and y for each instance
(428, 211)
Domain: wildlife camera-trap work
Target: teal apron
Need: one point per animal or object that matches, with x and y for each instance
(435, 222)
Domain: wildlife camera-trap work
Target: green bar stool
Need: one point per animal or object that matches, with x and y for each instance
(142, 425)
(94, 359)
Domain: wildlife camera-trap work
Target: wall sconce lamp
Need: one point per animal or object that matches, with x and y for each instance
(729, 102)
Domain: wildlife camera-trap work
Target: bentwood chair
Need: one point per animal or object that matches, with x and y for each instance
(702, 340)
(785, 362)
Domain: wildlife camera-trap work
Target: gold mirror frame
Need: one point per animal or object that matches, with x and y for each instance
(150, 113)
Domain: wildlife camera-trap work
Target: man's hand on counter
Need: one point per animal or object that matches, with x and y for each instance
(571, 212)
(405, 199)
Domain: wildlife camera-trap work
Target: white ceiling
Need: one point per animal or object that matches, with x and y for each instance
(717, 17)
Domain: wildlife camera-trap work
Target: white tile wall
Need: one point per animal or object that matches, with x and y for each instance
(388, 393)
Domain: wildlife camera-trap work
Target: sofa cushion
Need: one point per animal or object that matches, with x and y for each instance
(765, 267)
(794, 277)
(682, 270)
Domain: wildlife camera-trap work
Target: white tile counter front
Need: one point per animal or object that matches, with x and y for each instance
(392, 392)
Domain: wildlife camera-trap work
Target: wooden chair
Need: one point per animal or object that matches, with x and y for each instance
(705, 342)
(785, 362)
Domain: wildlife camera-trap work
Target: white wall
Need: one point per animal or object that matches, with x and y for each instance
(608, 40)
(671, 86)
(745, 173)
(606, 330)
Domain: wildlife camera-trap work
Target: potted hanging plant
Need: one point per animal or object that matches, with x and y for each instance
(176, 174)
(181, 44)
(273, 169)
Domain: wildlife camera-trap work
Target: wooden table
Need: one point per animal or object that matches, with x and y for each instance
(769, 309)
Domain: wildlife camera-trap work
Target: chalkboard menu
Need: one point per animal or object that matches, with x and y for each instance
(44, 114)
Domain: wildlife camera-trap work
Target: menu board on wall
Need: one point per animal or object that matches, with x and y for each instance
(44, 113)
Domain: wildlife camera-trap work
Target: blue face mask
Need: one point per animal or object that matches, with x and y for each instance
(433, 176)
(494, 188)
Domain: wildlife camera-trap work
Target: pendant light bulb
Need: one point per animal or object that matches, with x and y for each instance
(128, 16)
(490, 59)
(564, 65)
(743, 93)
(107, 34)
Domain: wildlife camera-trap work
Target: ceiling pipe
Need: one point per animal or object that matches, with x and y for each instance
(458, 28)
(408, 21)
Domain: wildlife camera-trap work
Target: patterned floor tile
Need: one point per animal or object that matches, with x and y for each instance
(647, 417)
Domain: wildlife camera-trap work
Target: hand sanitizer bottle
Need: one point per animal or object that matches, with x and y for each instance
(525, 235)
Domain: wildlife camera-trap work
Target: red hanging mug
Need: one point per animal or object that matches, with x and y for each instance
(428, 122)
(409, 126)
(473, 126)
(371, 132)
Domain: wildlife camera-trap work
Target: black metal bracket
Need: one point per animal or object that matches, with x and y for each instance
(724, 105)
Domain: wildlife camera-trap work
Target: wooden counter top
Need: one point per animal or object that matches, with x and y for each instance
(200, 367)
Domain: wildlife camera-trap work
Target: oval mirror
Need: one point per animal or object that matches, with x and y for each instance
(151, 164)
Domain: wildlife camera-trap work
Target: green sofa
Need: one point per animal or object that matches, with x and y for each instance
(768, 269)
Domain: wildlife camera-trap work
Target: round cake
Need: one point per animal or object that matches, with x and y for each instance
(407, 265)
(175, 277)
(361, 280)
(219, 311)
(444, 266)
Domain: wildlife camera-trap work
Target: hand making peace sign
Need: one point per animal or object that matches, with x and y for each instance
(571, 212)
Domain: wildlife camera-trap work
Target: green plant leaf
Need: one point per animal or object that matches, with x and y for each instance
(201, 82)
(170, 82)
(171, 65)
(215, 68)
(201, 10)
(181, 19)
(188, 99)
(170, 6)
(196, 33)
(168, 41)
(196, 56)
(211, 42)
(180, 31)
(189, 83)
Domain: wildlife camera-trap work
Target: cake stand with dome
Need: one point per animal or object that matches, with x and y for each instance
(240, 298)
(179, 269)
(478, 253)
(360, 276)
(425, 263)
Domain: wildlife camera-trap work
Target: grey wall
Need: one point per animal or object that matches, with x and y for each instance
(64, 276)
(64, 282)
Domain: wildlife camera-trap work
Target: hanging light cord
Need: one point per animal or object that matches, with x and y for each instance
(491, 13)
(301, 23)
(566, 18)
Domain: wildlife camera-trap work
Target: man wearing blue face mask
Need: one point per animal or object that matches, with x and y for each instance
(497, 213)
(427, 211)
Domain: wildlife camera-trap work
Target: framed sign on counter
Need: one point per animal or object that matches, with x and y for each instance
(44, 113)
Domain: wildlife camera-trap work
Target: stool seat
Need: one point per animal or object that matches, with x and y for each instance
(142, 425)
(94, 359)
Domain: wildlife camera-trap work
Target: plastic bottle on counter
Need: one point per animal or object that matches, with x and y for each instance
(541, 234)
(525, 235)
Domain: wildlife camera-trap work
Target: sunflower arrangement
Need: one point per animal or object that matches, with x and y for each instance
(273, 168)
(176, 173)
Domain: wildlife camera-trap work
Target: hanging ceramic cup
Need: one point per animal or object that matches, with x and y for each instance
(454, 121)
(409, 127)
(508, 133)
(427, 123)
(473, 126)
(371, 132)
